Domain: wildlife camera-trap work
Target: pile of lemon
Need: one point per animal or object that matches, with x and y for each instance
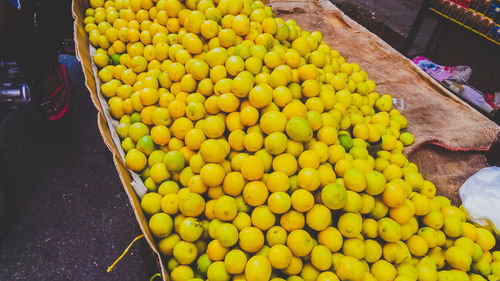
(266, 155)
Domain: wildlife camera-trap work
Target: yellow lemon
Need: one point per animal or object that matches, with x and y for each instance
(212, 151)
(235, 261)
(485, 239)
(212, 174)
(334, 196)
(251, 239)
(350, 224)
(299, 242)
(309, 159)
(255, 193)
(279, 256)
(215, 251)
(373, 251)
(309, 179)
(135, 160)
(263, 218)
(355, 179)
(252, 168)
(242, 220)
(276, 235)
(383, 270)
(452, 227)
(218, 271)
(434, 219)
(354, 247)
(227, 234)
(260, 96)
(161, 225)
(170, 204)
(418, 245)
(349, 268)
(182, 272)
(279, 202)
(389, 230)
(394, 195)
(321, 257)
(226, 208)
(285, 163)
(458, 258)
(258, 268)
(318, 217)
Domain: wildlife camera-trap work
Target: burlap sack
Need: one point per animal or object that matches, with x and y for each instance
(435, 116)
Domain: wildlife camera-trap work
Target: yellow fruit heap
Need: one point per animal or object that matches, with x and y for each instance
(258, 145)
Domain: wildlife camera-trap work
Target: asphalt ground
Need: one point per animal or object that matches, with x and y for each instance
(71, 218)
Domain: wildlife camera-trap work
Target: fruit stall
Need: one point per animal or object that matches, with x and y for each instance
(282, 141)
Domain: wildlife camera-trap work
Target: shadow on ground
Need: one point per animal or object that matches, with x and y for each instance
(391, 20)
(73, 218)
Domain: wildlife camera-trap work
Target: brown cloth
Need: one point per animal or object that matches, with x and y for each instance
(434, 114)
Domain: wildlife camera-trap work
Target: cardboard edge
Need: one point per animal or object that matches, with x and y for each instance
(83, 55)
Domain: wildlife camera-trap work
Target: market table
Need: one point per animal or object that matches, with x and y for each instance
(450, 136)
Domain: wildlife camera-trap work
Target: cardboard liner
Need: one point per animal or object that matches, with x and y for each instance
(434, 115)
(134, 188)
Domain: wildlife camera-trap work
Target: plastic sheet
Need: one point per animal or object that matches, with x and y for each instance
(480, 196)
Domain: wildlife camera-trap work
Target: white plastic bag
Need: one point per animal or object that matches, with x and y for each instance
(480, 196)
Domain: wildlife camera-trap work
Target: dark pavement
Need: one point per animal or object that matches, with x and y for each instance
(398, 15)
(391, 20)
(72, 217)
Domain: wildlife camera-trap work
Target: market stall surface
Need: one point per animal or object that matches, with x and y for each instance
(72, 218)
